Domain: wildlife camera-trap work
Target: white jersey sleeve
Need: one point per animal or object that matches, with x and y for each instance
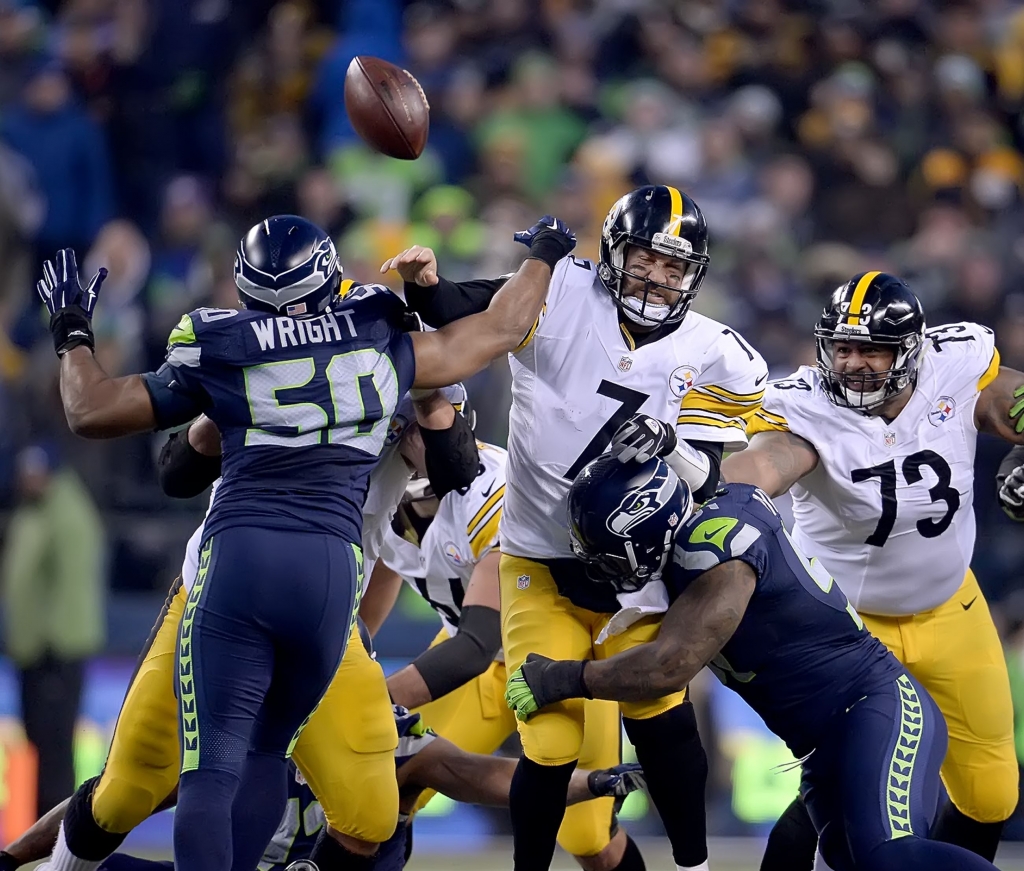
(725, 394)
(889, 508)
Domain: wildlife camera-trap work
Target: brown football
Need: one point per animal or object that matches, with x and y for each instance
(387, 107)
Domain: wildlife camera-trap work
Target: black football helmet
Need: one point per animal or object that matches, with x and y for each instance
(664, 220)
(880, 309)
(287, 265)
(623, 519)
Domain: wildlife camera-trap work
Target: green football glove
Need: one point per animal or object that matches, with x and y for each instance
(1017, 408)
(540, 682)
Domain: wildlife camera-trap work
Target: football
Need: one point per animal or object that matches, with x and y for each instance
(387, 107)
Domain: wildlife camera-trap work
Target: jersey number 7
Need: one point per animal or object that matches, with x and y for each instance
(630, 400)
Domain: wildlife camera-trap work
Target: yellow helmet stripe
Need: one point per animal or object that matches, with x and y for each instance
(859, 292)
(676, 221)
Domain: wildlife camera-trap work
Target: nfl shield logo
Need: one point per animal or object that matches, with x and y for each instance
(890, 439)
(522, 582)
(625, 363)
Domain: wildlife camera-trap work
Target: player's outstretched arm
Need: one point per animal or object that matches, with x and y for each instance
(473, 778)
(999, 410)
(775, 461)
(694, 630)
(467, 345)
(381, 594)
(95, 405)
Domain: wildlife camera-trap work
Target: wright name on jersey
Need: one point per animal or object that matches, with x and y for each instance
(888, 509)
(440, 563)
(578, 376)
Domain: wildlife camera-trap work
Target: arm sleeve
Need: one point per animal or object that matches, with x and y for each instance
(448, 301)
(446, 667)
(713, 451)
(452, 457)
(182, 470)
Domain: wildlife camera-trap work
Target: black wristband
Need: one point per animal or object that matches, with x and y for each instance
(560, 681)
(71, 327)
(8, 862)
(550, 246)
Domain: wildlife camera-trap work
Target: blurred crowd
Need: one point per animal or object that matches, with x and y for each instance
(820, 138)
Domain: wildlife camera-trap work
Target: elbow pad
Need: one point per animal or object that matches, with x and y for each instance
(452, 663)
(183, 471)
(452, 457)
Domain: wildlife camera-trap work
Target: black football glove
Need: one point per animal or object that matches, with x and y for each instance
(642, 437)
(620, 781)
(549, 240)
(69, 304)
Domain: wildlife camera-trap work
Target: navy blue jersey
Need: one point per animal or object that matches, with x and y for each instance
(801, 654)
(303, 405)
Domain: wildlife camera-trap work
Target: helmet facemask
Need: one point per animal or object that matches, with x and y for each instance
(866, 391)
(642, 309)
(628, 573)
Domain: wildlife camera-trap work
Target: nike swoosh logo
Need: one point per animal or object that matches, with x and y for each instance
(759, 380)
(711, 533)
(967, 607)
(490, 487)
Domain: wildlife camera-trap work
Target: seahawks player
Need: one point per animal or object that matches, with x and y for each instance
(776, 629)
(614, 340)
(302, 388)
(877, 443)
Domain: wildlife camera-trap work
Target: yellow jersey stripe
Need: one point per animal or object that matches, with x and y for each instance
(345, 286)
(486, 536)
(629, 339)
(771, 415)
(991, 372)
(718, 407)
(741, 398)
(692, 420)
(676, 221)
(760, 423)
(859, 292)
(493, 500)
(710, 415)
(533, 330)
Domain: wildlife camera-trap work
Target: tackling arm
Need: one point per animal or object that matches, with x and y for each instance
(1000, 407)
(380, 597)
(775, 461)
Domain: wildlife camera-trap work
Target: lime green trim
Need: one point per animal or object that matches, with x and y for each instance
(714, 531)
(184, 333)
(186, 672)
(904, 755)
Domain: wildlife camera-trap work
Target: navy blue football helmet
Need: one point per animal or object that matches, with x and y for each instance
(623, 519)
(287, 265)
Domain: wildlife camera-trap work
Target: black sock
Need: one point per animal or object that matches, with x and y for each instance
(792, 841)
(329, 855)
(631, 859)
(536, 802)
(83, 835)
(953, 827)
(669, 749)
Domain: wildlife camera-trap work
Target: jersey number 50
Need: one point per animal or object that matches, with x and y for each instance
(358, 388)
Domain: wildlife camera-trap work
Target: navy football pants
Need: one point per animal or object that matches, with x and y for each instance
(872, 787)
(264, 630)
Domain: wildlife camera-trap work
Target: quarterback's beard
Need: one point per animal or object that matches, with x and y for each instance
(648, 315)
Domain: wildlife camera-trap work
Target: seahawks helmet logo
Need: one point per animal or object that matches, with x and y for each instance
(640, 504)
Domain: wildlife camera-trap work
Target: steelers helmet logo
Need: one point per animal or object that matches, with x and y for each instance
(681, 379)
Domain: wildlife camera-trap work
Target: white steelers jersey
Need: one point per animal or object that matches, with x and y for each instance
(463, 532)
(889, 508)
(578, 377)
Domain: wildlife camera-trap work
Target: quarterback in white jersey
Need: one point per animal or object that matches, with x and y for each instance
(614, 360)
(876, 444)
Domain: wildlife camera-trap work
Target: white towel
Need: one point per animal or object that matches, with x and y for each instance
(652, 598)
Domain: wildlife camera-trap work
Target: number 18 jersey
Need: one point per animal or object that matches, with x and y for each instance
(579, 376)
(889, 508)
